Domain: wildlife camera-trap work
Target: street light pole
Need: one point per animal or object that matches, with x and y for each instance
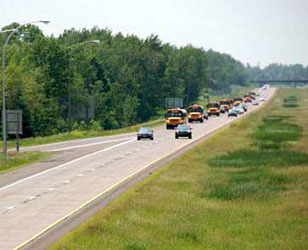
(4, 132)
(69, 113)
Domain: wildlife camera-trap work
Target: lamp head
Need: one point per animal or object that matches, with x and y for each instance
(44, 21)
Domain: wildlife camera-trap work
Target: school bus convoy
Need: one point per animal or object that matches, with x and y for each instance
(196, 112)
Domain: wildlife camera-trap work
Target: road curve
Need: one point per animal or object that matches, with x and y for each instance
(34, 204)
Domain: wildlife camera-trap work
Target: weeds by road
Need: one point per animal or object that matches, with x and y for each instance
(18, 160)
(244, 188)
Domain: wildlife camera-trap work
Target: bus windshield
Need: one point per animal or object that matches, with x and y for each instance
(212, 105)
(174, 114)
(199, 109)
(237, 99)
(224, 103)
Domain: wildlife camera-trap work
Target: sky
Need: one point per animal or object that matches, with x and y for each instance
(258, 32)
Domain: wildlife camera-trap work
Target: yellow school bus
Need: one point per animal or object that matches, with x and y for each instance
(237, 101)
(213, 108)
(226, 104)
(174, 117)
(195, 113)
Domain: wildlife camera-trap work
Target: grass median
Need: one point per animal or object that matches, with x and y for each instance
(236, 190)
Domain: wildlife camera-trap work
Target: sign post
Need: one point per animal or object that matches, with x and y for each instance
(14, 124)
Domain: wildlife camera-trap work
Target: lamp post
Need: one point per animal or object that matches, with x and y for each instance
(3, 82)
(72, 48)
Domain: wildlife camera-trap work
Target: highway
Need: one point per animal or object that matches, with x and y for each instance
(31, 205)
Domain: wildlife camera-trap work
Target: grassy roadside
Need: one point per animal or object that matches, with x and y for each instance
(19, 160)
(81, 135)
(237, 190)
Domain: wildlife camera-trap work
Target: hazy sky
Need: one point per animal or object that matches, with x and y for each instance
(253, 31)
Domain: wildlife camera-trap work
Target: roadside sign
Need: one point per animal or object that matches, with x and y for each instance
(14, 122)
(173, 103)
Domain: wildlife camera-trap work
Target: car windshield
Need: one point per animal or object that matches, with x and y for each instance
(144, 130)
(237, 99)
(183, 127)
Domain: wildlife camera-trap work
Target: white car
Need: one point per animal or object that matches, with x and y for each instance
(244, 106)
(239, 110)
(261, 99)
(255, 102)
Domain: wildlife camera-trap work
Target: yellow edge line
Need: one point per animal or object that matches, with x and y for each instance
(118, 183)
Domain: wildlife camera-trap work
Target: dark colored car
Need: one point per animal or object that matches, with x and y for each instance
(145, 133)
(183, 131)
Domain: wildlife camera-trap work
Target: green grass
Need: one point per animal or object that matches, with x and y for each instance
(290, 101)
(18, 160)
(251, 158)
(82, 135)
(248, 184)
(274, 133)
(210, 199)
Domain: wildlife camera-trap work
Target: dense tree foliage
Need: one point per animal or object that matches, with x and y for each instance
(224, 71)
(278, 72)
(118, 82)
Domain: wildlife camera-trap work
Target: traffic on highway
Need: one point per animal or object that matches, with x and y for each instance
(89, 168)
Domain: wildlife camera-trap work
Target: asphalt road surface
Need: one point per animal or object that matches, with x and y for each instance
(33, 204)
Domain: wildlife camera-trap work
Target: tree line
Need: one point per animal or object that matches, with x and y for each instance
(121, 81)
(277, 71)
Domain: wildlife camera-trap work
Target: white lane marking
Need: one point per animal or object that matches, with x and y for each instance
(65, 164)
(80, 175)
(51, 189)
(76, 140)
(89, 144)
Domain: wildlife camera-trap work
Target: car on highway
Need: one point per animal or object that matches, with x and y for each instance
(244, 106)
(239, 109)
(255, 102)
(222, 109)
(144, 133)
(183, 131)
(232, 112)
(261, 99)
(205, 115)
